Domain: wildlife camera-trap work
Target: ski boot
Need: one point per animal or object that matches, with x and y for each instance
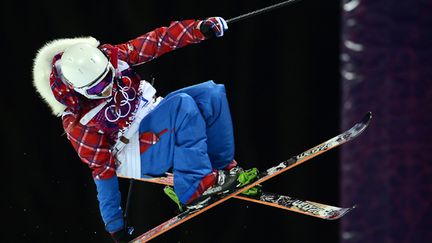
(226, 181)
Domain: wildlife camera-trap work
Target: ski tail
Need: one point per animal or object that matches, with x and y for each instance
(314, 209)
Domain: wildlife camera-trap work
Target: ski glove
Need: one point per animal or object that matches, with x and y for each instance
(214, 26)
(122, 236)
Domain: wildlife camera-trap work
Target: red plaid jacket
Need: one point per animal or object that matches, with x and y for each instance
(92, 146)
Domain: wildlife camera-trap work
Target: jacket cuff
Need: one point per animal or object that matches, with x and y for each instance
(197, 32)
(115, 225)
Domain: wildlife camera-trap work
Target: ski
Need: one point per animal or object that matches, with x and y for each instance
(211, 202)
(318, 210)
(310, 208)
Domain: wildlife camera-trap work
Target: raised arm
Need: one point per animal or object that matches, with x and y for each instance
(165, 39)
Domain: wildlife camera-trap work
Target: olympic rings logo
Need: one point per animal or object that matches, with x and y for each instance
(128, 94)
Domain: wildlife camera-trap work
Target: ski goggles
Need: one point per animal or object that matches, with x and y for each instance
(99, 86)
(102, 83)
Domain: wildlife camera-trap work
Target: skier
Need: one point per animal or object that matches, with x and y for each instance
(119, 127)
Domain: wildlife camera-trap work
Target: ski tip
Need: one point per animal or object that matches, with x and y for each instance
(366, 119)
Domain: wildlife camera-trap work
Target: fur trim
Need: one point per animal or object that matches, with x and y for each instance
(42, 67)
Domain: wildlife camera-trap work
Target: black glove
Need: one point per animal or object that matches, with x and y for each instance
(214, 26)
(122, 236)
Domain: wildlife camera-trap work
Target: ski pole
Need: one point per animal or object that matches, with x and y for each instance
(260, 11)
(126, 213)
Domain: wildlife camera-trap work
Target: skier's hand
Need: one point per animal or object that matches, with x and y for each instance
(122, 236)
(214, 26)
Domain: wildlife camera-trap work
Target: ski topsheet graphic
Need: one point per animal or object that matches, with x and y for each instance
(340, 139)
(314, 209)
(289, 203)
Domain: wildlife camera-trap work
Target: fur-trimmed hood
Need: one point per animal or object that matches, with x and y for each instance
(42, 67)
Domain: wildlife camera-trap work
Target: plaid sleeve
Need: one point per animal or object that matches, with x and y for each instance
(159, 41)
(92, 147)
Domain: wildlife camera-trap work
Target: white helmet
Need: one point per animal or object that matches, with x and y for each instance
(85, 67)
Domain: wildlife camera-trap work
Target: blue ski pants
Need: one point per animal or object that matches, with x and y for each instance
(198, 137)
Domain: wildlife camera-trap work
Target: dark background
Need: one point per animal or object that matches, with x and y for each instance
(281, 72)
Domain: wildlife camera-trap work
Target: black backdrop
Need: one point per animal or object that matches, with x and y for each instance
(281, 72)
